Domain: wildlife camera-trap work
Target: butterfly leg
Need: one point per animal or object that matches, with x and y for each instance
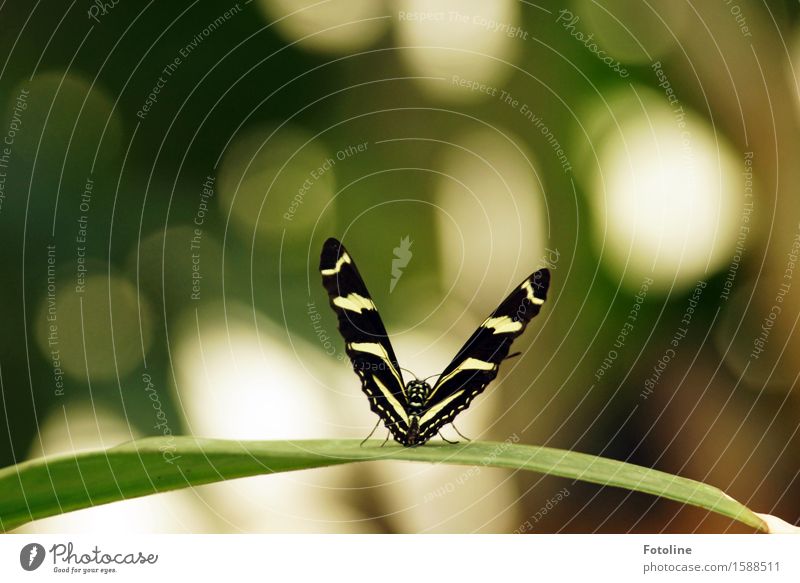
(387, 439)
(447, 440)
(461, 434)
(370, 433)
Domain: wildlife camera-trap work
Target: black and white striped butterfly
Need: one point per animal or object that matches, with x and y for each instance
(415, 412)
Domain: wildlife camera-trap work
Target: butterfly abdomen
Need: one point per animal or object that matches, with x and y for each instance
(411, 438)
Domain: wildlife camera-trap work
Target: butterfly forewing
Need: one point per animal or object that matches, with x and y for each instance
(478, 361)
(366, 341)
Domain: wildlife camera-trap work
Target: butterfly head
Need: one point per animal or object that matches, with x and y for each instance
(417, 393)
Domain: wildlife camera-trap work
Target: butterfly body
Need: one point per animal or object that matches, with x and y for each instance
(417, 392)
(414, 412)
(410, 438)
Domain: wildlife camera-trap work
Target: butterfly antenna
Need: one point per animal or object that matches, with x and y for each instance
(430, 377)
(461, 434)
(447, 440)
(512, 355)
(370, 433)
(408, 371)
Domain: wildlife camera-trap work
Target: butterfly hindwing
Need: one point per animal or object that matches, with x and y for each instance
(366, 341)
(478, 361)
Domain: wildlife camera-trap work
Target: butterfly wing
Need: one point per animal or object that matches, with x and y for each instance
(478, 361)
(366, 341)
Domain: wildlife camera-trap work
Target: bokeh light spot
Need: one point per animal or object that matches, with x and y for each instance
(348, 25)
(64, 112)
(238, 382)
(666, 198)
(290, 174)
(492, 224)
(458, 39)
(110, 333)
(632, 32)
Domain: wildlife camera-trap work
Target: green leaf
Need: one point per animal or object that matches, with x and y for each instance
(48, 486)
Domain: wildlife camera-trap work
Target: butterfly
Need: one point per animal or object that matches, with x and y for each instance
(414, 412)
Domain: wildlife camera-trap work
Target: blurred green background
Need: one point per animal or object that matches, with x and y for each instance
(169, 172)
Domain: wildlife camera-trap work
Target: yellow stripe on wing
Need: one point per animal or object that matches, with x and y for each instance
(354, 303)
(433, 411)
(502, 325)
(468, 364)
(345, 258)
(398, 408)
(377, 349)
(531, 296)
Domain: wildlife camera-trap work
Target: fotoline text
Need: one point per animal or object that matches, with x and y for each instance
(667, 550)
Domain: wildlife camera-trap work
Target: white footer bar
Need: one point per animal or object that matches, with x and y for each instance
(401, 558)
